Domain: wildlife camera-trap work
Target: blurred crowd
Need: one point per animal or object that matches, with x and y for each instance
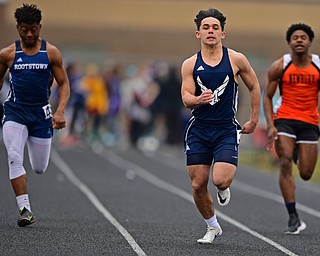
(127, 105)
(132, 105)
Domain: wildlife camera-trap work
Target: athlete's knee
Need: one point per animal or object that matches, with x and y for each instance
(305, 177)
(39, 168)
(285, 166)
(199, 185)
(15, 162)
(222, 184)
(285, 161)
(40, 171)
(306, 174)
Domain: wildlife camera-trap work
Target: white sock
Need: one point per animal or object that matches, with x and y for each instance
(23, 201)
(212, 222)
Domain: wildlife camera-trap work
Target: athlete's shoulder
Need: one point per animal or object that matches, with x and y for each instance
(50, 47)
(286, 60)
(316, 59)
(7, 54)
(236, 57)
(53, 53)
(277, 65)
(191, 59)
(7, 51)
(189, 62)
(239, 62)
(234, 53)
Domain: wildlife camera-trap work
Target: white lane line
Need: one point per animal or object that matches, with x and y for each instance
(271, 196)
(61, 164)
(124, 164)
(301, 184)
(262, 193)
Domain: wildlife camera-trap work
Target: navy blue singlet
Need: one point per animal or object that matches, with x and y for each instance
(30, 80)
(213, 131)
(220, 80)
(30, 77)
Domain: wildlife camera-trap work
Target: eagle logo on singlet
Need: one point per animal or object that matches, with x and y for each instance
(217, 92)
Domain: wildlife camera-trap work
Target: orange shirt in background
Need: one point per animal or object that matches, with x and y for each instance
(299, 92)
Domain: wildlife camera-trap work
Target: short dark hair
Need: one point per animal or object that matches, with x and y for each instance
(299, 26)
(210, 13)
(28, 13)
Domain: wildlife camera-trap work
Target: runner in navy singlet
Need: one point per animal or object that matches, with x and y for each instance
(210, 90)
(33, 64)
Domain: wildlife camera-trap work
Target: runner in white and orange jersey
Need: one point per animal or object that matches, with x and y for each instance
(293, 121)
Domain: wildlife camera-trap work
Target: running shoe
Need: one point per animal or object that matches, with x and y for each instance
(295, 225)
(26, 218)
(212, 233)
(223, 197)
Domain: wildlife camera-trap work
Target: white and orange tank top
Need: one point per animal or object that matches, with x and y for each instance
(299, 88)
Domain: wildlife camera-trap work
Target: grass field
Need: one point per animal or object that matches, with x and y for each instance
(263, 160)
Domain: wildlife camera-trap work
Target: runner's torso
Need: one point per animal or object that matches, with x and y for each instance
(220, 79)
(30, 77)
(299, 89)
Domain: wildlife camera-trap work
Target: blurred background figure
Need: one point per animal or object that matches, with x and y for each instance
(112, 79)
(168, 104)
(76, 105)
(139, 92)
(97, 101)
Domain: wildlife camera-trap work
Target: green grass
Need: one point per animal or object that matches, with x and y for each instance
(263, 160)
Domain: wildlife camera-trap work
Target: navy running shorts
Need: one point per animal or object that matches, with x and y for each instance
(208, 143)
(38, 119)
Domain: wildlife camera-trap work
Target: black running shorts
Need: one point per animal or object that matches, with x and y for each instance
(302, 132)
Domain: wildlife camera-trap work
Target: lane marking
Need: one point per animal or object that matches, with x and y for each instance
(124, 164)
(271, 196)
(260, 192)
(64, 168)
